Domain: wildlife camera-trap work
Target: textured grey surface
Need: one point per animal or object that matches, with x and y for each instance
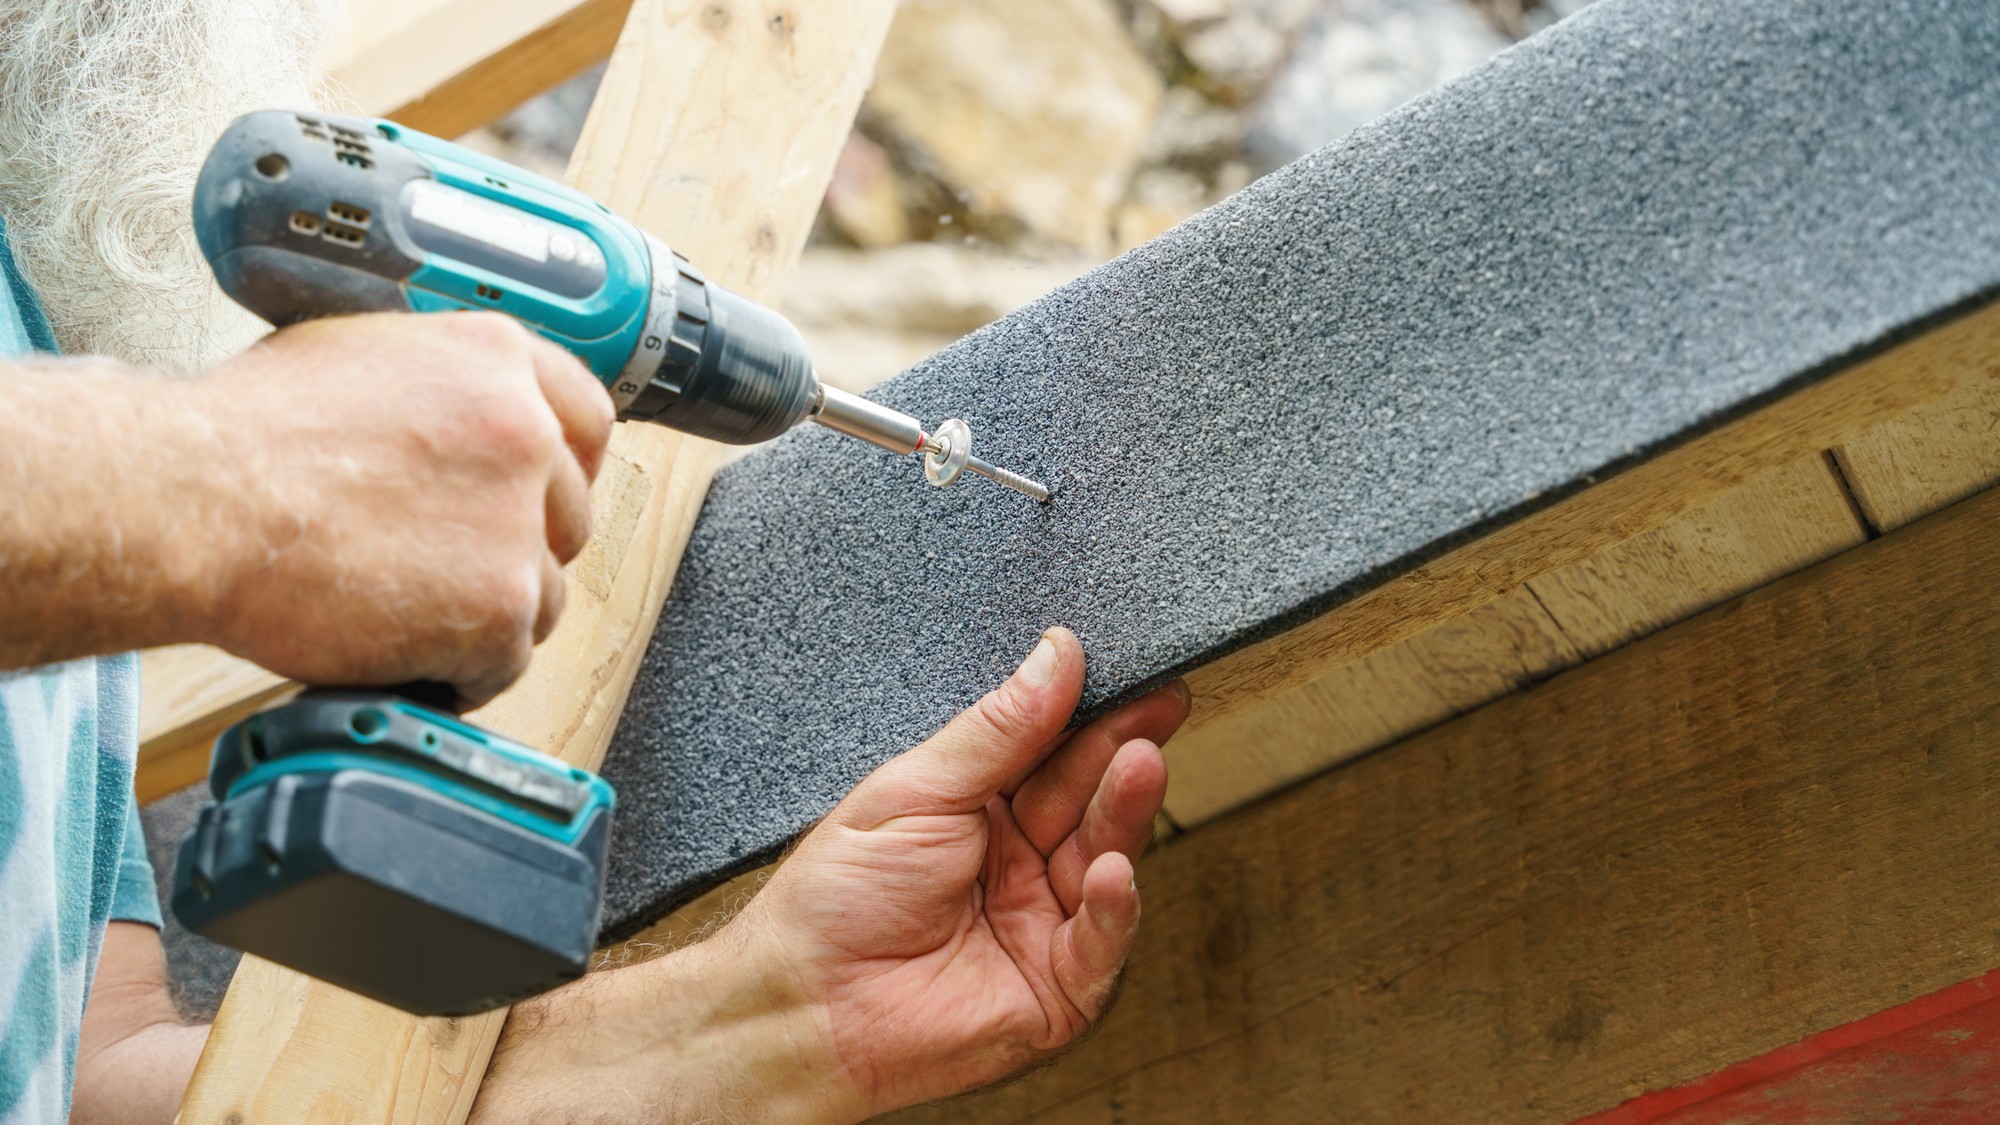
(197, 969)
(1609, 237)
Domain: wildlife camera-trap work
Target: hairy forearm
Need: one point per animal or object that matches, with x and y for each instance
(713, 1032)
(114, 484)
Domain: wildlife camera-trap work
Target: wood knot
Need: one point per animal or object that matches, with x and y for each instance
(715, 18)
(1225, 942)
(1580, 1023)
(764, 239)
(783, 26)
(234, 1118)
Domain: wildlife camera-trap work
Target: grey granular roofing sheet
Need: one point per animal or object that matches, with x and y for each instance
(1614, 235)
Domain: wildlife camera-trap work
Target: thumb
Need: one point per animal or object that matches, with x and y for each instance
(960, 768)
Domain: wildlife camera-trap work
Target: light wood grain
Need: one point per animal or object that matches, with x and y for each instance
(449, 66)
(1916, 373)
(1772, 819)
(717, 128)
(187, 695)
(1937, 454)
(1418, 682)
(1785, 520)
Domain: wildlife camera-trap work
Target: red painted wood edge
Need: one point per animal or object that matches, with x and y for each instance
(1891, 1053)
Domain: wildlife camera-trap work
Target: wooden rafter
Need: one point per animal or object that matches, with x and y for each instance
(449, 66)
(717, 127)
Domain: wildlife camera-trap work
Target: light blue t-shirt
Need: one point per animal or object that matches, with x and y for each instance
(72, 856)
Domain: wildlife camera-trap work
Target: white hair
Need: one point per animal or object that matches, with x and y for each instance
(107, 108)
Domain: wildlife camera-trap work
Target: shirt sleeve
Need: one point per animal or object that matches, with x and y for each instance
(134, 898)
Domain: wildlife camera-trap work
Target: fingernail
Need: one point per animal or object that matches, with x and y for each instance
(1040, 666)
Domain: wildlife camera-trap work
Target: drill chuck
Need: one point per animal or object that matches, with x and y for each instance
(731, 370)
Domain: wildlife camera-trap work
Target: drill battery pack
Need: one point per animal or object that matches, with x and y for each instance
(395, 851)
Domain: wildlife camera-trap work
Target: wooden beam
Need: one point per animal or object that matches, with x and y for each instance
(717, 128)
(1940, 453)
(187, 695)
(1751, 501)
(1778, 817)
(449, 66)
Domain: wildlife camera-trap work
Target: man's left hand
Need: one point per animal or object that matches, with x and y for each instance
(965, 912)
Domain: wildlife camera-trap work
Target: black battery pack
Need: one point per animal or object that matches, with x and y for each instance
(387, 881)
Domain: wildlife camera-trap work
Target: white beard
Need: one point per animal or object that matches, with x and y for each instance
(107, 109)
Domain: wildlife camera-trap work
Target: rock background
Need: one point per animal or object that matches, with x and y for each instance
(1009, 145)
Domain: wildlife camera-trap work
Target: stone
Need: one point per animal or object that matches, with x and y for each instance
(1186, 12)
(1191, 131)
(863, 199)
(867, 315)
(1161, 199)
(1032, 109)
(1360, 60)
(1236, 56)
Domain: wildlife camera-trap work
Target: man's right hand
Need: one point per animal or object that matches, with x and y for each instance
(409, 486)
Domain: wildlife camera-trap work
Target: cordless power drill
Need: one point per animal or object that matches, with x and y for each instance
(373, 838)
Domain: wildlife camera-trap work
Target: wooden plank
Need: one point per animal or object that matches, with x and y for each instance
(450, 66)
(717, 127)
(1785, 520)
(1935, 1058)
(187, 695)
(1938, 454)
(1418, 682)
(1770, 820)
(1724, 512)
(1740, 539)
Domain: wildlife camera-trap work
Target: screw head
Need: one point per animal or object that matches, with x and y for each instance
(954, 445)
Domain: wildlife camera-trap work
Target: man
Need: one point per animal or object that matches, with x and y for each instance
(391, 498)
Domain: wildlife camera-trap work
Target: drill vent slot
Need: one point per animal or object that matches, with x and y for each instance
(344, 223)
(490, 293)
(344, 234)
(351, 147)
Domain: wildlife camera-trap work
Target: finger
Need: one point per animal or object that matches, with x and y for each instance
(1089, 950)
(1014, 874)
(960, 768)
(1119, 819)
(1050, 803)
(555, 593)
(579, 400)
(567, 514)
